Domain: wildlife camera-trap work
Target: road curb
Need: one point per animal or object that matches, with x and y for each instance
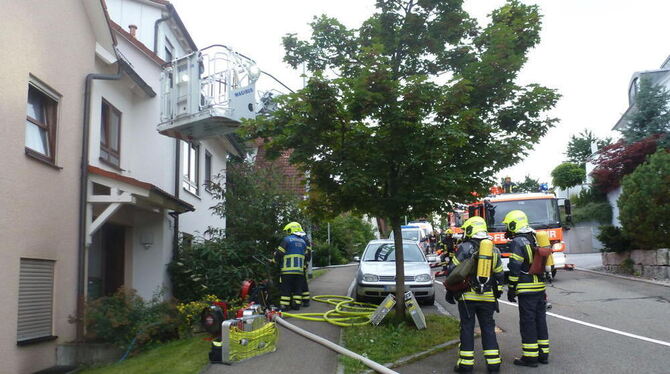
(420, 356)
(335, 266)
(648, 281)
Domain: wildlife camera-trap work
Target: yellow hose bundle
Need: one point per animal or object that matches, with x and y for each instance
(346, 313)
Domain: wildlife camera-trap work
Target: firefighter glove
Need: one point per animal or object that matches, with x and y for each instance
(449, 297)
(511, 295)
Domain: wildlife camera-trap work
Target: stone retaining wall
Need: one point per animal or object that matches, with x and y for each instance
(647, 263)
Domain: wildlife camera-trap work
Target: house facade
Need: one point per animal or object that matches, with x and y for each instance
(146, 191)
(41, 101)
(660, 76)
(94, 198)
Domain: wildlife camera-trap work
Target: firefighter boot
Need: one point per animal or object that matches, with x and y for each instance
(522, 362)
(463, 368)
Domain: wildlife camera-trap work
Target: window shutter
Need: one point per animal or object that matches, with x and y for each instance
(35, 299)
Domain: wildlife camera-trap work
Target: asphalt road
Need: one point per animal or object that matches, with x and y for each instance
(634, 310)
(585, 260)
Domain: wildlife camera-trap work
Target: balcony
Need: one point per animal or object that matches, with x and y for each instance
(207, 93)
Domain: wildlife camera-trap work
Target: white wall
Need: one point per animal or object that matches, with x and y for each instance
(612, 197)
(129, 12)
(149, 270)
(195, 223)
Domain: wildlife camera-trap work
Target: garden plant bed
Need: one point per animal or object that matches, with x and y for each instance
(389, 342)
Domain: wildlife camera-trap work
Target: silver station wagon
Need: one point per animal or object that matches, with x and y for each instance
(376, 273)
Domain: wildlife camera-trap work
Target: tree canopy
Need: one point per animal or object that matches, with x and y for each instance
(645, 203)
(416, 108)
(579, 147)
(651, 116)
(568, 175)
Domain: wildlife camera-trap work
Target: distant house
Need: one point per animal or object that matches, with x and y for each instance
(661, 77)
(293, 179)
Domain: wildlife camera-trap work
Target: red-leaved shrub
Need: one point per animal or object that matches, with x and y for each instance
(619, 159)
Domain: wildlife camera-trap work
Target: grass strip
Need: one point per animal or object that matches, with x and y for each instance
(390, 342)
(184, 356)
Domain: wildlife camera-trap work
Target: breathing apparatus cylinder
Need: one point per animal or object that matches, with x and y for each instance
(543, 241)
(484, 261)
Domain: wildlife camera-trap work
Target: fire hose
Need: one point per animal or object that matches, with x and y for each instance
(334, 347)
(346, 313)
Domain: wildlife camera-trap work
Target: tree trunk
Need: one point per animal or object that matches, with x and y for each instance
(399, 268)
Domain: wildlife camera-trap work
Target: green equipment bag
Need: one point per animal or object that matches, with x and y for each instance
(462, 272)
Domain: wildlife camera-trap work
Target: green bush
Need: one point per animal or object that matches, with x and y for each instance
(644, 205)
(323, 250)
(349, 234)
(217, 266)
(613, 239)
(124, 316)
(568, 175)
(586, 196)
(256, 207)
(599, 212)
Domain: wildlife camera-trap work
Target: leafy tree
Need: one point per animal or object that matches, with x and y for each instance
(348, 232)
(414, 109)
(619, 159)
(528, 185)
(644, 205)
(652, 115)
(256, 207)
(579, 147)
(568, 175)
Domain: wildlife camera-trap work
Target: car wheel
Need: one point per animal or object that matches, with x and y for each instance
(427, 301)
(359, 298)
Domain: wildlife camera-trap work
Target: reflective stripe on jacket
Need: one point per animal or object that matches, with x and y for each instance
(521, 256)
(291, 254)
(465, 251)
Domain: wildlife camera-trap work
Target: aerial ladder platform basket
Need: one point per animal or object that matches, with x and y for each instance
(207, 93)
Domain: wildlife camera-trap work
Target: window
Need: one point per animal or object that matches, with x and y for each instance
(36, 283)
(191, 166)
(169, 50)
(110, 134)
(208, 170)
(41, 125)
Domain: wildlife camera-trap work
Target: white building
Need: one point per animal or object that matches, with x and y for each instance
(661, 77)
(145, 190)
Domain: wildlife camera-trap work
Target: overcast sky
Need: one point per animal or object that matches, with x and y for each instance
(589, 50)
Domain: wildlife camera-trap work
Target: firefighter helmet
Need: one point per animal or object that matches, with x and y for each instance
(515, 221)
(293, 228)
(473, 226)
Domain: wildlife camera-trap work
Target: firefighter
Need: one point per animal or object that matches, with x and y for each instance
(290, 255)
(448, 242)
(508, 186)
(529, 289)
(480, 298)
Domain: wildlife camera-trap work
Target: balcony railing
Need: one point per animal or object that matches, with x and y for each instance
(207, 93)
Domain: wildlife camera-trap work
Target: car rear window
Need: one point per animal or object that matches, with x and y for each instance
(386, 252)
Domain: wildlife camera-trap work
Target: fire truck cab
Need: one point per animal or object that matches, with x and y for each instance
(543, 213)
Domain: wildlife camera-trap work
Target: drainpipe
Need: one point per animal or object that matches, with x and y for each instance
(175, 215)
(156, 24)
(83, 192)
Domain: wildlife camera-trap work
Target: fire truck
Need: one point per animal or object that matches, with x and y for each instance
(543, 213)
